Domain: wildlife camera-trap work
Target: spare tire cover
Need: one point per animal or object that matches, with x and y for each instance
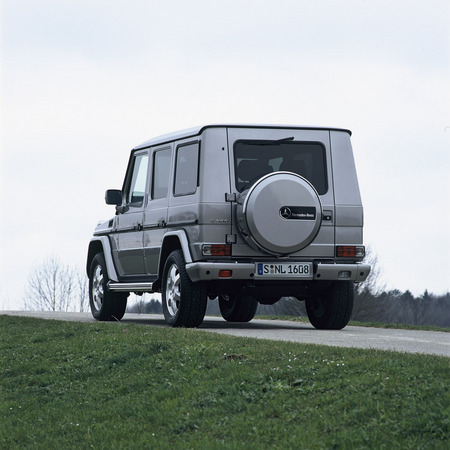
(280, 214)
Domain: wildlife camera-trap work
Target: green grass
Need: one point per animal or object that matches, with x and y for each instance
(112, 385)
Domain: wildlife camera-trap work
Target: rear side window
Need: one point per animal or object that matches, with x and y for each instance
(186, 169)
(254, 159)
(161, 172)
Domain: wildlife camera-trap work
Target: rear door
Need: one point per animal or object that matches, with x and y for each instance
(155, 217)
(255, 152)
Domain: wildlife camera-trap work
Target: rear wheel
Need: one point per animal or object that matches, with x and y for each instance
(183, 302)
(105, 305)
(237, 307)
(331, 309)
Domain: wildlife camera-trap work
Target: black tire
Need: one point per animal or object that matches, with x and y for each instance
(105, 305)
(237, 307)
(183, 302)
(331, 309)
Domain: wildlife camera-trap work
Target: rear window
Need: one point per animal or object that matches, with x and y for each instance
(254, 159)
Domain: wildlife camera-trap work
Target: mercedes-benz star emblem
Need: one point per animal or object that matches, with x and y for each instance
(285, 212)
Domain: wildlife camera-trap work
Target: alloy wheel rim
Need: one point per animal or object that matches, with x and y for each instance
(97, 288)
(173, 291)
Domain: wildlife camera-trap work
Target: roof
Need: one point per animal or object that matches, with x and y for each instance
(191, 132)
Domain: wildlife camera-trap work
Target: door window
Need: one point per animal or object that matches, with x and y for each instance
(136, 192)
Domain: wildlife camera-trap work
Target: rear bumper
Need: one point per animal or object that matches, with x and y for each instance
(355, 272)
(206, 271)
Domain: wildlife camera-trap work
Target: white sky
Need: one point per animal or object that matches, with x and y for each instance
(83, 81)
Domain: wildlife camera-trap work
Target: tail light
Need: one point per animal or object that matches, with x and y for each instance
(216, 250)
(350, 251)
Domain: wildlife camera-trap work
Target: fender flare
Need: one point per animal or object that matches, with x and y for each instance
(167, 246)
(97, 245)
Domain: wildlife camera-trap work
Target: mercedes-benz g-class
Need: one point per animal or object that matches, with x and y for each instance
(243, 213)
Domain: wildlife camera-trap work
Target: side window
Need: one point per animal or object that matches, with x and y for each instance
(186, 169)
(161, 172)
(136, 191)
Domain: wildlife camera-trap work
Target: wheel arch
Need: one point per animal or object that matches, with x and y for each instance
(102, 245)
(174, 240)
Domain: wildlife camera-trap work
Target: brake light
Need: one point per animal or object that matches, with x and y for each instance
(216, 250)
(350, 251)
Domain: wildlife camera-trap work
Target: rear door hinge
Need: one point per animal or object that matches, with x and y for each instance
(230, 197)
(231, 239)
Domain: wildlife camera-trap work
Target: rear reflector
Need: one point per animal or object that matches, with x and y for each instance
(216, 250)
(225, 273)
(350, 251)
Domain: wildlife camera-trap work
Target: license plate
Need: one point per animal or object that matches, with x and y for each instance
(284, 270)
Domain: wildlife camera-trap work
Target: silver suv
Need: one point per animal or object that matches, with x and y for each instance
(246, 214)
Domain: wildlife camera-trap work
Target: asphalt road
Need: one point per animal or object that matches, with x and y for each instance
(410, 341)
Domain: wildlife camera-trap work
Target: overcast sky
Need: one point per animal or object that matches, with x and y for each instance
(83, 81)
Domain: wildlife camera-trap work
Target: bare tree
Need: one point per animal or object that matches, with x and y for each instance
(3, 300)
(82, 291)
(51, 286)
(372, 283)
(139, 304)
(366, 306)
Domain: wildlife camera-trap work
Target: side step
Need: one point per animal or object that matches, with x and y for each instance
(130, 287)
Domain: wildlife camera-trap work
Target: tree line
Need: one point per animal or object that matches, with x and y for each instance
(55, 286)
(399, 307)
(393, 306)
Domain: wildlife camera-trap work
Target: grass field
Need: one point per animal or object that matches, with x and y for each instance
(104, 385)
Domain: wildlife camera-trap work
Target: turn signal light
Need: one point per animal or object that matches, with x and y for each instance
(216, 250)
(350, 251)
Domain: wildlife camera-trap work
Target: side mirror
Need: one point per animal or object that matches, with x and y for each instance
(113, 197)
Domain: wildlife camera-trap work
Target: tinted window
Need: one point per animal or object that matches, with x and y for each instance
(186, 169)
(138, 180)
(161, 171)
(254, 159)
